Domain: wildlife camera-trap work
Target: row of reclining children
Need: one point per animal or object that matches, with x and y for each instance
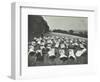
(60, 44)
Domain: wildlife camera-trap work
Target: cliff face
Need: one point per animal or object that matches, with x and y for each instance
(36, 26)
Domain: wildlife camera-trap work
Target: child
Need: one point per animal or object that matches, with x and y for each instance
(51, 53)
(39, 55)
(32, 59)
(71, 54)
(62, 57)
(81, 51)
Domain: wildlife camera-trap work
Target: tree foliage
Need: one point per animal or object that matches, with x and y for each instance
(36, 26)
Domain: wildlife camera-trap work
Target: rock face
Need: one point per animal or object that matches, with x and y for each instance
(36, 26)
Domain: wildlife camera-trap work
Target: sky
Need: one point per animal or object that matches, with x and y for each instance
(67, 23)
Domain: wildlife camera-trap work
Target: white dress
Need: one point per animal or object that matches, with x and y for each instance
(62, 45)
(39, 42)
(49, 41)
(39, 51)
(71, 53)
(57, 44)
(62, 53)
(31, 49)
(80, 52)
(51, 52)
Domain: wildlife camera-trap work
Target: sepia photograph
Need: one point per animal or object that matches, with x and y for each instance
(57, 40)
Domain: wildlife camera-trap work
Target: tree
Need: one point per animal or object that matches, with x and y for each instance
(71, 31)
(36, 26)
